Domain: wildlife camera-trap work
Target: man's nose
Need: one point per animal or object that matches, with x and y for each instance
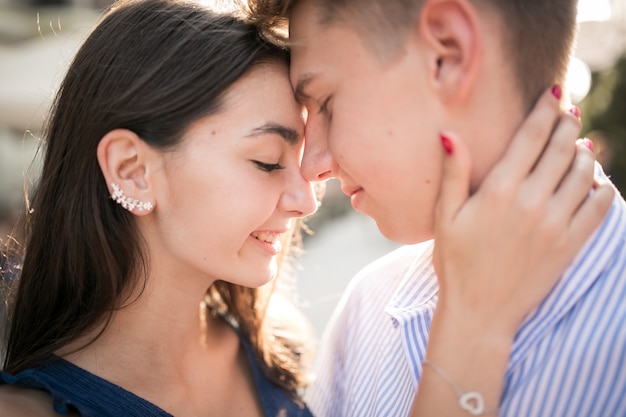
(318, 163)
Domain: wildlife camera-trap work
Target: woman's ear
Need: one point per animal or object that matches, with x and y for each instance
(125, 162)
(452, 36)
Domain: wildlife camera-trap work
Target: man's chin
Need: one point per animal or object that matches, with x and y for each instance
(403, 234)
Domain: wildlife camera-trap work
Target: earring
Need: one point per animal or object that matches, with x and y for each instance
(128, 203)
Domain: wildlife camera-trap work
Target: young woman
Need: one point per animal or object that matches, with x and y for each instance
(172, 166)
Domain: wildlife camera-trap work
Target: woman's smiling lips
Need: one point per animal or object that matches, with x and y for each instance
(268, 240)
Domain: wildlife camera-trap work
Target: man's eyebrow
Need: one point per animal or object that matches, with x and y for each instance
(291, 136)
(303, 82)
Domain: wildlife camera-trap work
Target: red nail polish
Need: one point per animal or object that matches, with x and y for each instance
(557, 92)
(588, 143)
(575, 111)
(446, 143)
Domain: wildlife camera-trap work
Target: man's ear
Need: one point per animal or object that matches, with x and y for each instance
(452, 36)
(126, 160)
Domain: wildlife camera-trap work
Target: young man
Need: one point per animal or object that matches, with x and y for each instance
(382, 79)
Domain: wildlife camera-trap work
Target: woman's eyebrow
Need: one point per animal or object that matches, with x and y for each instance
(290, 135)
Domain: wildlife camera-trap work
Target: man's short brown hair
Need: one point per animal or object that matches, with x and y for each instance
(537, 34)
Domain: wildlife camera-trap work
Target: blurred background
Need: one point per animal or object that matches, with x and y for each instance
(38, 39)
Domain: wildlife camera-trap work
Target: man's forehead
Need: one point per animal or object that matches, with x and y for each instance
(310, 49)
(304, 59)
(301, 20)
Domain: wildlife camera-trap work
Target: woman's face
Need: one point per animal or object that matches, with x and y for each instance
(234, 186)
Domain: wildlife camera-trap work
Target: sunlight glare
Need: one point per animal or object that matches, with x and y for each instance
(578, 79)
(594, 10)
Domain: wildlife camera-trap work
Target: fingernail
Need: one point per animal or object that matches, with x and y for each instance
(587, 142)
(446, 143)
(575, 111)
(557, 92)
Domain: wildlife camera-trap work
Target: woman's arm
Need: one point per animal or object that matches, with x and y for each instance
(500, 251)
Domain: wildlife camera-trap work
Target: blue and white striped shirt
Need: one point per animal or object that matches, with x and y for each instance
(568, 358)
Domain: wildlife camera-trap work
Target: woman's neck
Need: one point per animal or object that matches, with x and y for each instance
(164, 335)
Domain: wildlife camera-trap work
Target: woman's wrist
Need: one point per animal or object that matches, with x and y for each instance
(479, 316)
(470, 352)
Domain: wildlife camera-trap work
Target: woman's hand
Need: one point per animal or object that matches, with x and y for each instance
(500, 251)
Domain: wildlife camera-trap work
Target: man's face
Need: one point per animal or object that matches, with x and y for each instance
(373, 124)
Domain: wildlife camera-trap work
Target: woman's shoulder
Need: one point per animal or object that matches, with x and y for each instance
(25, 402)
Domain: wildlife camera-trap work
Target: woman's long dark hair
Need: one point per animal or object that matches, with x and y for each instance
(153, 67)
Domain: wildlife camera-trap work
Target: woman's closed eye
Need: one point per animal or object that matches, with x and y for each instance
(268, 167)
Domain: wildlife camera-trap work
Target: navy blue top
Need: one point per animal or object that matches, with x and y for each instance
(74, 389)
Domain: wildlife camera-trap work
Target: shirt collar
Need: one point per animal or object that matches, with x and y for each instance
(418, 288)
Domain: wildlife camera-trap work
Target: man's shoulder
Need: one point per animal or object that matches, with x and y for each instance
(366, 297)
(387, 272)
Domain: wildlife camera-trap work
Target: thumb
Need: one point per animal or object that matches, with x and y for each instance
(455, 178)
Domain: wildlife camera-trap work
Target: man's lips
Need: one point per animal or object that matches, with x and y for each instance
(349, 191)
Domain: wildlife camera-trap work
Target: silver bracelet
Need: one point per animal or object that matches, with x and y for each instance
(470, 401)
